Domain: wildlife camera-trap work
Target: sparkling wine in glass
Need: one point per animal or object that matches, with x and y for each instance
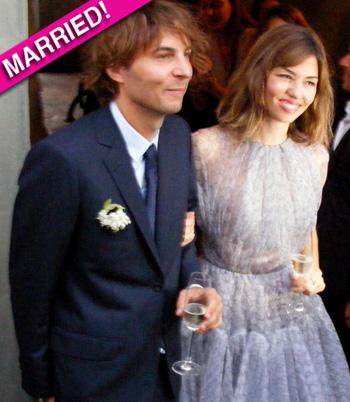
(193, 317)
(302, 265)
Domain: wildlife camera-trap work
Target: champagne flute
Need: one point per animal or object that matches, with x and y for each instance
(302, 265)
(193, 317)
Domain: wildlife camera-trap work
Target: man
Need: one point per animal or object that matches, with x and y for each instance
(334, 224)
(96, 263)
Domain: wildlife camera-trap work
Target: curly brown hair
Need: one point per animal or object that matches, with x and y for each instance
(118, 45)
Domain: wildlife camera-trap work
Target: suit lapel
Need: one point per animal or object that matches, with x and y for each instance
(118, 163)
(342, 145)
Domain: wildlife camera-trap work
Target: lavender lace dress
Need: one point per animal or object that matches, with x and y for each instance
(256, 205)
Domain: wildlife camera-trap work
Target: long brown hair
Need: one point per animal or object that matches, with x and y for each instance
(118, 45)
(243, 106)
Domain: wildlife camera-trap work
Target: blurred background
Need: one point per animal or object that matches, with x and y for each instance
(53, 90)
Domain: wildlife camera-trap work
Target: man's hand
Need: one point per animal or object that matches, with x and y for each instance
(212, 318)
(188, 230)
(347, 314)
(50, 399)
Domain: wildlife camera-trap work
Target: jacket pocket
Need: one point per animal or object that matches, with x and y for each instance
(85, 346)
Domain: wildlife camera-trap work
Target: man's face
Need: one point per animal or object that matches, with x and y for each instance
(215, 14)
(157, 79)
(344, 63)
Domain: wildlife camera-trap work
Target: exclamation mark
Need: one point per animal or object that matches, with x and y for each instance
(102, 5)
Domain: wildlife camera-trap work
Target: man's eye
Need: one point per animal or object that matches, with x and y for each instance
(163, 56)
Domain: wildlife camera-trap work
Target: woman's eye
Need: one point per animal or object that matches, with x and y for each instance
(285, 76)
(311, 83)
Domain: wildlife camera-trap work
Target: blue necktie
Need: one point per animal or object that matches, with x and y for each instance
(151, 175)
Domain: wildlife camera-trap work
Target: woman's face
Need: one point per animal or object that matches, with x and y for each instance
(275, 22)
(289, 91)
(215, 14)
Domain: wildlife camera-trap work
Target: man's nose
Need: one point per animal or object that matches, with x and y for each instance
(183, 68)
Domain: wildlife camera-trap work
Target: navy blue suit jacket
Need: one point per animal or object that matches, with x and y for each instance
(91, 306)
(333, 222)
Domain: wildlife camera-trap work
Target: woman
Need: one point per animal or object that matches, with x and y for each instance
(224, 21)
(271, 17)
(260, 176)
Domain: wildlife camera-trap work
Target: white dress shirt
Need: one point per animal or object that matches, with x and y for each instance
(136, 144)
(343, 127)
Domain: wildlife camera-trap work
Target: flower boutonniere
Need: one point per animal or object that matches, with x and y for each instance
(113, 217)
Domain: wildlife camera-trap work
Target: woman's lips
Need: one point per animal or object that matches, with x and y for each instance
(288, 106)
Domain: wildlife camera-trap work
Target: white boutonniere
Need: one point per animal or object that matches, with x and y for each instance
(113, 217)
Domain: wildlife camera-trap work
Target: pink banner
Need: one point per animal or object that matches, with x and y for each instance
(62, 36)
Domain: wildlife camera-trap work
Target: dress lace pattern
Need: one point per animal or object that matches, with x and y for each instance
(257, 203)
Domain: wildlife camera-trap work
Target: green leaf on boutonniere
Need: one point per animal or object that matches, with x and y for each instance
(113, 217)
(108, 206)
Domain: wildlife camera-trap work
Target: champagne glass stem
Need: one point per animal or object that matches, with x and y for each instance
(189, 350)
(194, 312)
(298, 302)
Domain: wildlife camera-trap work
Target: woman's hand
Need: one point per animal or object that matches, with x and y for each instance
(188, 230)
(312, 282)
(309, 284)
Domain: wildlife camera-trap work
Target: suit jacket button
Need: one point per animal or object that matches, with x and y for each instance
(157, 287)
